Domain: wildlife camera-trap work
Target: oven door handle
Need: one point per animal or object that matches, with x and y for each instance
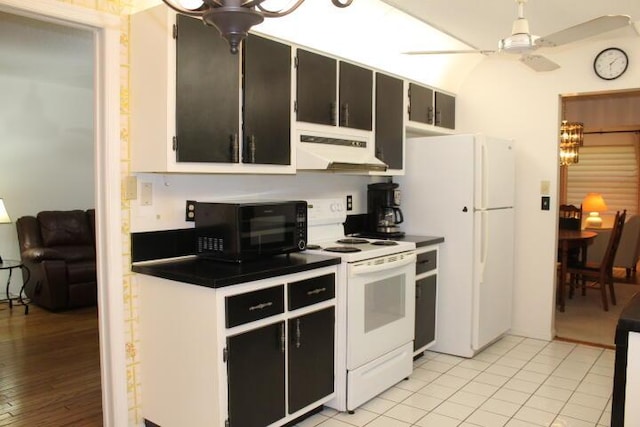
(367, 269)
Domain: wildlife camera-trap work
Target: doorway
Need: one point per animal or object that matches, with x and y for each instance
(106, 38)
(608, 164)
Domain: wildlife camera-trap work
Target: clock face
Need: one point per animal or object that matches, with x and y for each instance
(611, 63)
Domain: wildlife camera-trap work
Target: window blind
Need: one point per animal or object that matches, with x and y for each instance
(611, 170)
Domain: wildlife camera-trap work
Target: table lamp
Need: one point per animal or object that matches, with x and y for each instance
(4, 217)
(594, 204)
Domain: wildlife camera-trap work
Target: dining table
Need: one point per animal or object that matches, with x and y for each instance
(568, 239)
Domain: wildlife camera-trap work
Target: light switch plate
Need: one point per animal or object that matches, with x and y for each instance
(545, 188)
(130, 187)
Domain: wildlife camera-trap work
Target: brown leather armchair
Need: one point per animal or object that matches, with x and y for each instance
(58, 247)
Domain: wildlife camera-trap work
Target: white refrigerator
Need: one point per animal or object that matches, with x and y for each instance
(461, 187)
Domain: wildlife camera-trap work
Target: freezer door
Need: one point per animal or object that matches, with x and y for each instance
(493, 275)
(495, 173)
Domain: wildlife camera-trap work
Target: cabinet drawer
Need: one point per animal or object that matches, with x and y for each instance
(245, 308)
(426, 261)
(311, 291)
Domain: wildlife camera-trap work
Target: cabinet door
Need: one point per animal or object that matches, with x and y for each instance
(311, 358)
(356, 96)
(207, 95)
(445, 110)
(316, 88)
(267, 102)
(389, 120)
(420, 104)
(255, 369)
(425, 311)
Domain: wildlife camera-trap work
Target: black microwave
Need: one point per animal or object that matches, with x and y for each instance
(250, 230)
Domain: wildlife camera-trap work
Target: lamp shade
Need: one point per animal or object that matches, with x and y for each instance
(594, 202)
(4, 216)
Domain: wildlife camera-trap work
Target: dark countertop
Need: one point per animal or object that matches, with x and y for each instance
(217, 274)
(421, 241)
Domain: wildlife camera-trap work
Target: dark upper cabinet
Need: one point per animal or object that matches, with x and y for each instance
(420, 104)
(445, 110)
(207, 95)
(356, 96)
(316, 88)
(311, 358)
(256, 376)
(266, 101)
(425, 326)
(389, 120)
(208, 98)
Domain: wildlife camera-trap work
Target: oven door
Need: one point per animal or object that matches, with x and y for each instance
(381, 306)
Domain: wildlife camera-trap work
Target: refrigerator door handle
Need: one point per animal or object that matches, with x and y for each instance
(484, 168)
(484, 243)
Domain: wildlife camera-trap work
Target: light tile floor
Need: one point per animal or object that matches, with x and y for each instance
(516, 382)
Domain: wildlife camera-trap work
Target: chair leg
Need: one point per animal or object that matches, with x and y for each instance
(612, 292)
(603, 292)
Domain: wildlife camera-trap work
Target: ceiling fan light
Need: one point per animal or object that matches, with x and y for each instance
(518, 43)
(191, 4)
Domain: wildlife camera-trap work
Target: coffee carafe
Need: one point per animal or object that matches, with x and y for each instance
(383, 204)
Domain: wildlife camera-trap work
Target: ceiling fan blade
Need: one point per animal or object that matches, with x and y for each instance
(586, 29)
(539, 63)
(447, 52)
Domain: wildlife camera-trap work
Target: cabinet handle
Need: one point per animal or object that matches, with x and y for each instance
(418, 292)
(252, 149)
(283, 339)
(316, 291)
(344, 116)
(298, 333)
(333, 112)
(438, 117)
(234, 147)
(260, 306)
(430, 115)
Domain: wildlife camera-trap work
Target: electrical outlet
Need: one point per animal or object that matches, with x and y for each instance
(349, 202)
(146, 194)
(190, 211)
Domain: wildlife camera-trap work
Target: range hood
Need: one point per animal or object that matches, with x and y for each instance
(336, 152)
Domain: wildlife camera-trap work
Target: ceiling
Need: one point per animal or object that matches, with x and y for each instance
(481, 23)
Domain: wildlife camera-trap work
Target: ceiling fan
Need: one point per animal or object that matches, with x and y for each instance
(522, 42)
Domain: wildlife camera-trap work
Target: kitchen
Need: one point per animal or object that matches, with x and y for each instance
(494, 80)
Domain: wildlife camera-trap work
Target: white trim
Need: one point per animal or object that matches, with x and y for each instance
(106, 29)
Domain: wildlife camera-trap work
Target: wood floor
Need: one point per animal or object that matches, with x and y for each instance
(49, 368)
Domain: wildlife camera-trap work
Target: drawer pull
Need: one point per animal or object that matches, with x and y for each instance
(316, 291)
(261, 306)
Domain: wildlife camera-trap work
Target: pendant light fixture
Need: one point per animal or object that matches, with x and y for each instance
(571, 138)
(234, 18)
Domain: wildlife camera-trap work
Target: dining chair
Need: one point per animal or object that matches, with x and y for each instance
(602, 272)
(570, 217)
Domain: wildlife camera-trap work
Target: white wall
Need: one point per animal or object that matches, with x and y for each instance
(505, 98)
(46, 128)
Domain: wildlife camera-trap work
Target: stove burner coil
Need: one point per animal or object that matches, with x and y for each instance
(384, 243)
(342, 249)
(352, 241)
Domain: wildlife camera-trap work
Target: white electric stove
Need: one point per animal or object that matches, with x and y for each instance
(375, 293)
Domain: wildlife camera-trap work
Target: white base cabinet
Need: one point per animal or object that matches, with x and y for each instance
(254, 354)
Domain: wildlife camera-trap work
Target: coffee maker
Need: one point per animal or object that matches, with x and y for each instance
(383, 207)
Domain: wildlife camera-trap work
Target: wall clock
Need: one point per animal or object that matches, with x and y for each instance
(611, 63)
